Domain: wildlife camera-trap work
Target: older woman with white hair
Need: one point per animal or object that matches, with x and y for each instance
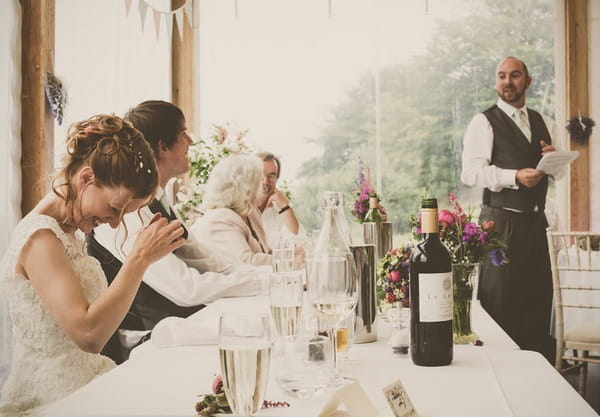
(232, 224)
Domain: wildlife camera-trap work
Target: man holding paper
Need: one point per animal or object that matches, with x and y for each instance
(502, 147)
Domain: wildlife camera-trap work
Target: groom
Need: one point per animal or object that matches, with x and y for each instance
(182, 282)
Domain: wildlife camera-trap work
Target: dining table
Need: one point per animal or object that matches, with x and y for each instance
(167, 376)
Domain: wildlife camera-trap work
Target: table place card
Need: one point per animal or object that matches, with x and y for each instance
(354, 399)
(398, 399)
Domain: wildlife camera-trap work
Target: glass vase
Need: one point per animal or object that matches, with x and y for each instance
(463, 276)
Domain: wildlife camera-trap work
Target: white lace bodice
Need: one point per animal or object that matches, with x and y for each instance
(47, 365)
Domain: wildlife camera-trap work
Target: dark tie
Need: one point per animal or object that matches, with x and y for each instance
(156, 207)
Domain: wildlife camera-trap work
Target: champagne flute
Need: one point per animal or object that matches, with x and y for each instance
(286, 290)
(245, 354)
(332, 293)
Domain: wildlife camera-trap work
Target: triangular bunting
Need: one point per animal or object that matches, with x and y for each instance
(189, 12)
(169, 23)
(127, 7)
(143, 8)
(156, 14)
(179, 17)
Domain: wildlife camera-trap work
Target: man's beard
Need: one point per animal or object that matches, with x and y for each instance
(517, 95)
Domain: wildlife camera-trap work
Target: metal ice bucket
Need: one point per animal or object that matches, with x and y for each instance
(365, 328)
(380, 235)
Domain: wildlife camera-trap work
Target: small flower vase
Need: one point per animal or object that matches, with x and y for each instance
(463, 276)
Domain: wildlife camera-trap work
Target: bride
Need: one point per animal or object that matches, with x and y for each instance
(62, 311)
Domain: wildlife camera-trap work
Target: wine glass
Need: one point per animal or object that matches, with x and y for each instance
(245, 354)
(286, 290)
(332, 293)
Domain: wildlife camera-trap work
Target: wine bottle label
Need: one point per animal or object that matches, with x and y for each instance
(373, 202)
(435, 297)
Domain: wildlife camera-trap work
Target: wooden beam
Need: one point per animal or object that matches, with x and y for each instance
(577, 82)
(182, 68)
(183, 83)
(37, 126)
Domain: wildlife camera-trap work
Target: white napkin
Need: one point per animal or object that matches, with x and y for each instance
(202, 328)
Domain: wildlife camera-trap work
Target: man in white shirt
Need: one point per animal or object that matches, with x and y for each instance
(182, 282)
(278, 216)
(502, 147)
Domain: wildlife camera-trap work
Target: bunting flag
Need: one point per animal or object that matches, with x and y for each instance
(127, 7)
(143, 9)
(179, 17)
(158, 15)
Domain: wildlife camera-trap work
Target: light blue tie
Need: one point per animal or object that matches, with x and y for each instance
(521, 120)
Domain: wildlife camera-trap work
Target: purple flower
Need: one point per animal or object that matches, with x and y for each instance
(469, 231)
(498, 257)
(483, 238)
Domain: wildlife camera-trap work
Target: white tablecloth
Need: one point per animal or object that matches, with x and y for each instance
(494, 380)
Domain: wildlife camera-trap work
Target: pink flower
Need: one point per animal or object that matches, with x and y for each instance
(395, 276)
(217, 385)
(488, 225)
(221, 134)
(390, 297)
(394, 252)
(445, 218)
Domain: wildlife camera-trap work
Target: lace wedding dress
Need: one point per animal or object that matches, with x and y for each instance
(47, 365)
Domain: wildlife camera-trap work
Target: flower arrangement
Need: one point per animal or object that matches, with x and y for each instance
(204, 155)
(392, 276)
(467, 241)
(211, 404)
(364, 191)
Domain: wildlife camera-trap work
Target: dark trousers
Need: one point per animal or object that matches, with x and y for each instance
(518, 295)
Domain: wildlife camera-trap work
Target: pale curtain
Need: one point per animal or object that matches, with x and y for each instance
(10, 151)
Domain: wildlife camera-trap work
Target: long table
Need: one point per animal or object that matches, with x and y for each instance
(495, 379)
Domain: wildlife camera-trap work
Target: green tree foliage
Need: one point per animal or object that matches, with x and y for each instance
(425, 107)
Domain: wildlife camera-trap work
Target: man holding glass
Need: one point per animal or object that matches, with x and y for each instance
(502, 147)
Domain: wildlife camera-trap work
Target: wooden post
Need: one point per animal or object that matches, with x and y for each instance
(577, 82)
(183, 84)
(182, 67)
(37, 125)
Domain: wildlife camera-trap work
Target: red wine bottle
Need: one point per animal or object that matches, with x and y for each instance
(430, 294)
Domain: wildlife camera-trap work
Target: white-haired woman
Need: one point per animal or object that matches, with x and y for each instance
(232, 224)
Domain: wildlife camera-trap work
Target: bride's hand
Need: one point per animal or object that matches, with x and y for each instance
(158, 239)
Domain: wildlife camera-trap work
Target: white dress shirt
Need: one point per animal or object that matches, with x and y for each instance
(275, 229)
(190, 276)
(477, 154)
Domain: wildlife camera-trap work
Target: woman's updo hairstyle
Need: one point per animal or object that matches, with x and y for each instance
(115, 150)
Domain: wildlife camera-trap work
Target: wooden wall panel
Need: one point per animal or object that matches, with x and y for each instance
(37, 125)
(577, 82)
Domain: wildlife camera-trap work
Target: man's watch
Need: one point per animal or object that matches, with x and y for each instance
(286, 207)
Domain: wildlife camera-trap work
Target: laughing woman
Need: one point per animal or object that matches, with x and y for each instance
(62, 311)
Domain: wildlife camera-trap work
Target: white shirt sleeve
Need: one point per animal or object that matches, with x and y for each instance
(176, 278)
(476, 157)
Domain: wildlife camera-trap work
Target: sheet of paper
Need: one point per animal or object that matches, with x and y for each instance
(553, 162)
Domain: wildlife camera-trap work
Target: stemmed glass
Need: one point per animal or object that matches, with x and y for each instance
(332, 293)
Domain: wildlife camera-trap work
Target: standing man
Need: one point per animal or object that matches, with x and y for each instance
(278, 215)
(183, 281)
(502, 147)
